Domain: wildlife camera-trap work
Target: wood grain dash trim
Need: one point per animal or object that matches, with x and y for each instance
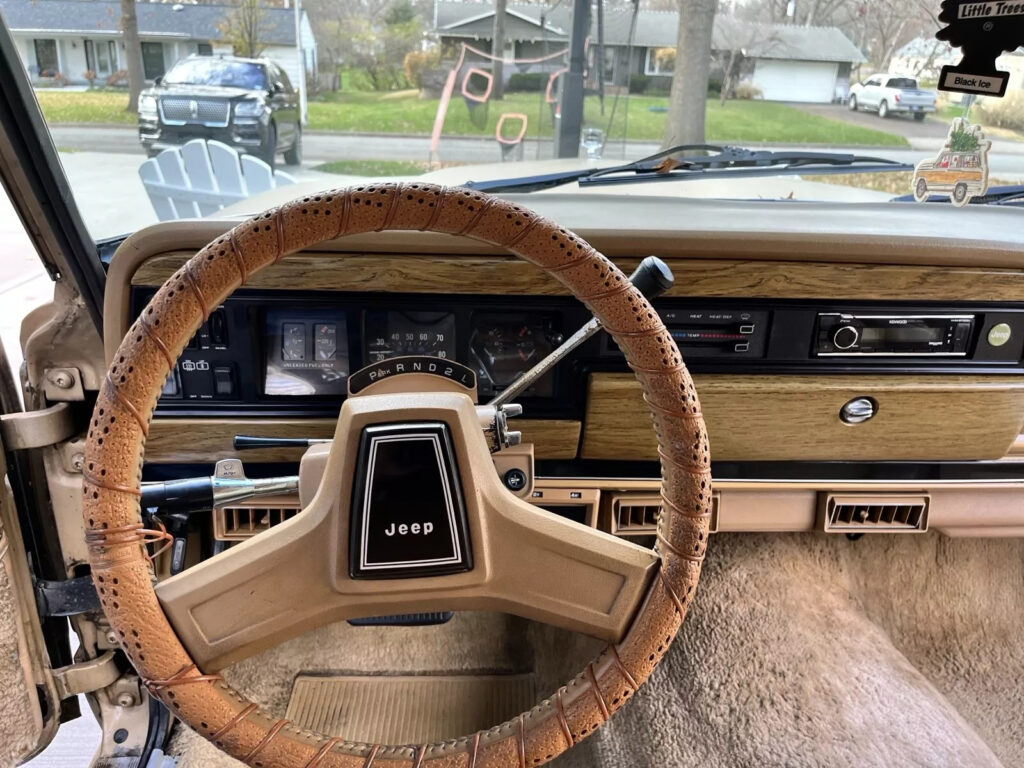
(697, 277)
(796, 418)
(173, 440)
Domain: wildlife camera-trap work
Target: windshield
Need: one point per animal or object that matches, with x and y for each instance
(217, 71)
(455, 91)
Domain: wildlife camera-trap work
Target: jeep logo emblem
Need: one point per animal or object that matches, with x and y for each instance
(193, 108)
(408, 517)
(414, 529)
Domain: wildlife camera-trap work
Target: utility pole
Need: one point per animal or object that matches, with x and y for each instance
(302, 62)
(571, 107)
(498, 51)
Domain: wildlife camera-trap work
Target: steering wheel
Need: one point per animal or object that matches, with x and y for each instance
(494, 551)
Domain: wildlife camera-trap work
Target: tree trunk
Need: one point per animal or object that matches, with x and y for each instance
(498, 50)
(688, 97)
(132, 54)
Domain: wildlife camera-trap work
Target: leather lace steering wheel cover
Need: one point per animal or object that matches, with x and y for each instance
(113, 466)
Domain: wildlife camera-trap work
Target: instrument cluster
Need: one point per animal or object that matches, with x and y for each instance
(291, 352)
(307, 351)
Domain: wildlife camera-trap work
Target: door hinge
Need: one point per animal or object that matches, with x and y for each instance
(91, 675)
(63, 384)
(36, 429)
(67, 598)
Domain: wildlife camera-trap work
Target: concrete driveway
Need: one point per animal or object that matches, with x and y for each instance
(931, 127)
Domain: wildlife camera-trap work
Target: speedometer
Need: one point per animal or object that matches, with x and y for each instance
(398, 334)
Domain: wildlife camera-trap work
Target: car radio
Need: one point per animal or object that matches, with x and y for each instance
(841, 334)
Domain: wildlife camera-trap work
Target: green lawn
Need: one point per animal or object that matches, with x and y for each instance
(737, 121)
(61, 106)
(404, 112)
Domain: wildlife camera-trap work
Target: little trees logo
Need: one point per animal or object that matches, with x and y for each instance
(983, 31)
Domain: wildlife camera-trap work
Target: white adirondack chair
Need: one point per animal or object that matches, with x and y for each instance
(202, 177)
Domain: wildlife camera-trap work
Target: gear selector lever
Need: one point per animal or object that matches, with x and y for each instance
(652, 278)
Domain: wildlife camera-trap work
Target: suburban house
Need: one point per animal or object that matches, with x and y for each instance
(787, 63)
(72, 37)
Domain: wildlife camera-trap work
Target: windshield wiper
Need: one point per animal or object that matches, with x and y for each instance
(718, 162)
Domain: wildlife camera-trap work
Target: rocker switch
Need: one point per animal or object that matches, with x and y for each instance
(223, 381)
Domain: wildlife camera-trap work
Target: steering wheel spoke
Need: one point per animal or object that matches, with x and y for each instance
(254, 595)
(565, 574)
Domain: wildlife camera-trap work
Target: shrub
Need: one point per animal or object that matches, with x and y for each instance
(638, 83)
(90, 77)
(416, 61)
(746, 91)
(527, 82)
(59, 80)
(714, 87)
(117, 78)
(356, 80)
(1007, 112)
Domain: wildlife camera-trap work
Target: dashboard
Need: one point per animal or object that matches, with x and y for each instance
(872, 358)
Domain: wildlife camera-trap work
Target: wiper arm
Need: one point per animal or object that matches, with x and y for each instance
(728, 161)
(530, 183)
(720, 161)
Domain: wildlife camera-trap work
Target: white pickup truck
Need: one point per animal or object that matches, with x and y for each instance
(888, 94)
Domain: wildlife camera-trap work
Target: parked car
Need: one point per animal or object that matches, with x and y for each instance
(888, 94)
(248, 104)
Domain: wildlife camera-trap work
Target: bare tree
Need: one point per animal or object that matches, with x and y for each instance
(498, 51)
(132, 54)
(242, 28)
(736, 41)
(688, 97)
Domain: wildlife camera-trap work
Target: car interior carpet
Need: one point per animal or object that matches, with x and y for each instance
(801, 650)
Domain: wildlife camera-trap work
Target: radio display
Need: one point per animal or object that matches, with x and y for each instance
(874, 335)
(306, 352)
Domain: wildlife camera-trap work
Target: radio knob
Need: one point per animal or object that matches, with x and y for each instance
(846, 337)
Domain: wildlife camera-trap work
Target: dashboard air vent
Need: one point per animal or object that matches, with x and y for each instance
(238, 523)
(866, 513)
(636, 514)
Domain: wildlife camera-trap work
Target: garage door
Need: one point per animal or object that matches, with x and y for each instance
(783, 80)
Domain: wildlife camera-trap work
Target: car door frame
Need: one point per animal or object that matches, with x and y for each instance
(38, 189)
(42, 641)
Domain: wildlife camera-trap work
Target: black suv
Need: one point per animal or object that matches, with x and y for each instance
(246, 103)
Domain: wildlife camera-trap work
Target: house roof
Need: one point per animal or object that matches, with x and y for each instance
(654, 29)
(103, 17)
